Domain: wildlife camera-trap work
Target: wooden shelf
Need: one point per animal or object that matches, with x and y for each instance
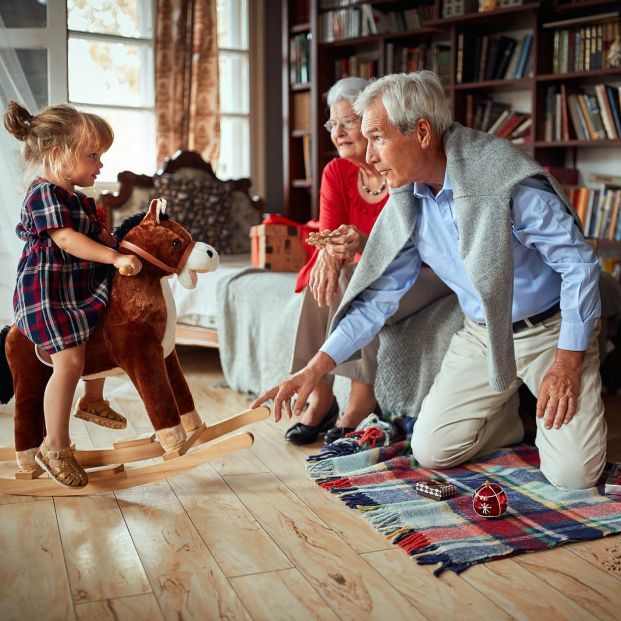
(606, 142)
(298, 28)
(580, 76)
(386, 36)
(484, 16)
(301, 86)
(561, 7)
(300, 133)
(505, 85)
(302, 183)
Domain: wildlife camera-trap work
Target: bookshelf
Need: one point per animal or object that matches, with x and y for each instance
(543, 45)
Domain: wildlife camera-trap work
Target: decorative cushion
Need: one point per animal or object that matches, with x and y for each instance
(243, 217)
(202, 206)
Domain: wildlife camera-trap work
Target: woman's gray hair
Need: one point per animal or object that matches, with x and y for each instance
(408, 97)
(347, 88)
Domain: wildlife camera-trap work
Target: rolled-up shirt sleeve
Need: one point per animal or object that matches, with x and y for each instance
(370, 310)
(541, 221)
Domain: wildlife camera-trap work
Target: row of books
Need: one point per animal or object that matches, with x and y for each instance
(592, 115)
(598, 210)
(364, 20)
(585, 47)
(362, 65)
(405, 59)
(299, 59)
(456, 8)
(498, 119)
(492, 57)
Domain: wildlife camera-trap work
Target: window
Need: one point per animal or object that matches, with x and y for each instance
(110, 72)
(233, 56)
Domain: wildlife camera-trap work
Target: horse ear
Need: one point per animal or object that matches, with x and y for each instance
(157, 207)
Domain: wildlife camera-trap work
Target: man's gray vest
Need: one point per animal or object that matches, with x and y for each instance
(484, 171)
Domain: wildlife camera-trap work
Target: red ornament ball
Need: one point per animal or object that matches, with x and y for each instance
(490, 500)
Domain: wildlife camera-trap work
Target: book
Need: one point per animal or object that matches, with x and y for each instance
(613, 480)
(615, 106)
(606, 112)
(524, 57)
(506, 48)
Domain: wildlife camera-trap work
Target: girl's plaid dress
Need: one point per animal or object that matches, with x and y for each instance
(58, 297)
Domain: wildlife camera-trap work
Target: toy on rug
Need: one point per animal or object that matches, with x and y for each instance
(137, 335)
(438, 489)
(490, 500)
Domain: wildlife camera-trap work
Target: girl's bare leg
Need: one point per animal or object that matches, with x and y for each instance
(58, 397)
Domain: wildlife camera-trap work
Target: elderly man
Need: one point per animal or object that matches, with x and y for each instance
(497, 229)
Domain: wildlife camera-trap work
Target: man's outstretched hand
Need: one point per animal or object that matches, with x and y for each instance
(560, 389)
(301, 384)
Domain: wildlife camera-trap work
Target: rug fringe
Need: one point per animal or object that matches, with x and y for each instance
(385, 521)
(358, 499)
(337, 484)
(321, 469)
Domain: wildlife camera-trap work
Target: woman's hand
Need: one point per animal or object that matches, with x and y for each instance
(128, 264)
(346, 241)
(324, 278)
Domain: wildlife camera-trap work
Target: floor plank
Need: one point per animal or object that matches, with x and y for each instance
(33, 580)
(233, 536)
(522, 594)
(288, 462)
(595, 591)
(102, 562)
(296, 598)
(446, 597)
(184, 576)
(598, 552)
(352, 589)
(136, 608)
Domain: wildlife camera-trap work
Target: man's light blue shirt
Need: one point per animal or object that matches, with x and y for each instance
(552, 263)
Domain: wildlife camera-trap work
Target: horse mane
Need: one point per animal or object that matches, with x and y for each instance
(129, 223)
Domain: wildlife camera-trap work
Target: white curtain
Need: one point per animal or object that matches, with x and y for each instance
(13, 85)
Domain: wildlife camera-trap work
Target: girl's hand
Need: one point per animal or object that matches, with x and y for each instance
(324, 277)
(128, 264)
(346, 241)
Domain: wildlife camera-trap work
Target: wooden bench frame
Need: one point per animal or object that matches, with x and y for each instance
(128, 181)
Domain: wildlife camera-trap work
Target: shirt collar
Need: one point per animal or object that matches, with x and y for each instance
(422, 190)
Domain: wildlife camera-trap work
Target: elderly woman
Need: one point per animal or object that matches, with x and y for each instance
(352, 196)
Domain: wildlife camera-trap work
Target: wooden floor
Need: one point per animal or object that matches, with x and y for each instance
(250, 536)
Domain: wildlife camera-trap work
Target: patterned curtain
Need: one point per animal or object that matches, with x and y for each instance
(187, 99)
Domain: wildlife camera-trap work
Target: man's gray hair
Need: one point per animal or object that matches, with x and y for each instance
(407, 97)
(347, 88)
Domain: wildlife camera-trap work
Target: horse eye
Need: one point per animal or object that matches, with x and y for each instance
(176, 243)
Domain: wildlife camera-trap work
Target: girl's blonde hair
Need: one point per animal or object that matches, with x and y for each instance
(53, 138)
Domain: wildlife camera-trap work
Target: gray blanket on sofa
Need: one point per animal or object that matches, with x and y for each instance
(258, 318)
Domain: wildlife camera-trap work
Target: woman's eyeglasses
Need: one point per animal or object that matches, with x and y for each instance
(349, 122)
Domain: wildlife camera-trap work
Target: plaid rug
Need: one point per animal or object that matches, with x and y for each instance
(380, 483)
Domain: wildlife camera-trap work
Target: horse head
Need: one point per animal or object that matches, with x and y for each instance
(165, 246)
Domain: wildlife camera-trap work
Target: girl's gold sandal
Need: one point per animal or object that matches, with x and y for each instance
(69, 473)
(100, 413)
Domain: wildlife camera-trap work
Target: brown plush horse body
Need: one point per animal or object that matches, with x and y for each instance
(135, 334)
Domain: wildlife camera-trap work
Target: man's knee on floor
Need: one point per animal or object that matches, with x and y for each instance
(430, 452)
(572, 474)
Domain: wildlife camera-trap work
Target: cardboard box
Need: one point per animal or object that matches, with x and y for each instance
(277, 247)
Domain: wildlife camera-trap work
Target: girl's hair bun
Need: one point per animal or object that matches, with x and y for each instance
(17, 120)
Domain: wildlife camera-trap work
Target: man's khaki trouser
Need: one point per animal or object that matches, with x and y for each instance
(462, 416)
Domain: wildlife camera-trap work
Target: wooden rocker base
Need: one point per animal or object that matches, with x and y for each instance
(118, 477)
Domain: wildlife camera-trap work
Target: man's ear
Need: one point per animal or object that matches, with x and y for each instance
(424, 132)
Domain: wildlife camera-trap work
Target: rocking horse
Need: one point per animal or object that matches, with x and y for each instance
(135, 335)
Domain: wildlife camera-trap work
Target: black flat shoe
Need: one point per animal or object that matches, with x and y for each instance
(336, 433)
(307, 434)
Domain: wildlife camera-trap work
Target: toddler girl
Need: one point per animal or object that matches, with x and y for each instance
(62, 276)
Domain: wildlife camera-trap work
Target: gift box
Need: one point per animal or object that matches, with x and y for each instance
(277, 247)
